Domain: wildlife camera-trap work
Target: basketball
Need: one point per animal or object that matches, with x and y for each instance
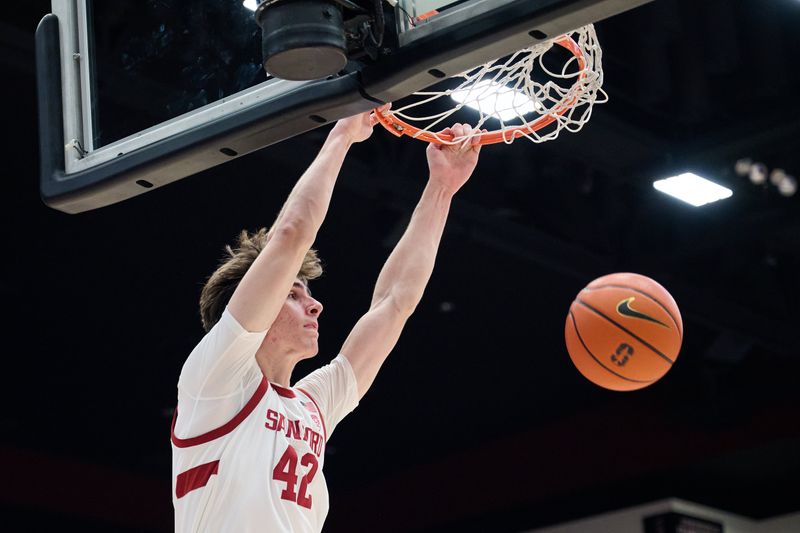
(623, 331)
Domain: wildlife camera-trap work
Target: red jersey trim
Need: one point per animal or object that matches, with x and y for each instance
(224, 429)
(282, 391)
(321, 416)
(195, 478)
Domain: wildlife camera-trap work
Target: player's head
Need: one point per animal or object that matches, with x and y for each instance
(222, 283)
(295, 331)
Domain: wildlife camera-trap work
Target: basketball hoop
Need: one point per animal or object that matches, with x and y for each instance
(518, 96)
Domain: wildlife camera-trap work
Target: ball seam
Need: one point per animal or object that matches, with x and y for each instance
(578, 333)
(626, 330)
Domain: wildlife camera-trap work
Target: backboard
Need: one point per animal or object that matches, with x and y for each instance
(134, 95)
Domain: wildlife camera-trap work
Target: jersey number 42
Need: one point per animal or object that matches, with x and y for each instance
(286, 471)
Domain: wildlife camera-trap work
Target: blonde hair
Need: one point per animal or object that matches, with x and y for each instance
(222, 283)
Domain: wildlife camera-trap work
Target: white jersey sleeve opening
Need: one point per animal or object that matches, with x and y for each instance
(333, 388)
(218, 377)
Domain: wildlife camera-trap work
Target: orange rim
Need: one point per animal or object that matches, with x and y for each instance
(399, 127)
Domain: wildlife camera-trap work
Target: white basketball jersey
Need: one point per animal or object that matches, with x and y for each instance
(261, 471)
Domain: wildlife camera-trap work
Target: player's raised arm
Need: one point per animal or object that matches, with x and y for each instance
(259, 296)
(254, 283)
(406, 273)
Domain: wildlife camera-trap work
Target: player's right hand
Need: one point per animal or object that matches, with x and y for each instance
(451, 165)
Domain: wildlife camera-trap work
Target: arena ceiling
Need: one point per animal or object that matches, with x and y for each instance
(478, 421)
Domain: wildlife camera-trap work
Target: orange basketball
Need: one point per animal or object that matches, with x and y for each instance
(624, 331)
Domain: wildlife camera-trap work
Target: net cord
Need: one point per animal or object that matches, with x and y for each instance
(565, 108)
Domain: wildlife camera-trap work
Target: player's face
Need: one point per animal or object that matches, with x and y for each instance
(296, 328)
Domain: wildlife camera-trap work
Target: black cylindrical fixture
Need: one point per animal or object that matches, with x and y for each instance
(302, 39)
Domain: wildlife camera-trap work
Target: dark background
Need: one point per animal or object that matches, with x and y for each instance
(478, 421)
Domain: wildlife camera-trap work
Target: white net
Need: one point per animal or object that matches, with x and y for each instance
(535, 93)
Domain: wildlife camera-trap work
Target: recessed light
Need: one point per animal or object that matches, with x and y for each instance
(497, 100)
(692, 189)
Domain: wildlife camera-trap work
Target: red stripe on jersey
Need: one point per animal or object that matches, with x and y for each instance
(195, 478)
(226, 428)
(286, 393)
(321, 417)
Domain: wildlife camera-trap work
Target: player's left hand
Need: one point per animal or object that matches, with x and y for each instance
(358, 128)
(451, 165)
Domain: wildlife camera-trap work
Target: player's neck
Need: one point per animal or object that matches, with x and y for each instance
(276, 368)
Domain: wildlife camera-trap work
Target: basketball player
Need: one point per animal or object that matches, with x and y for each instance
(248, 448)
